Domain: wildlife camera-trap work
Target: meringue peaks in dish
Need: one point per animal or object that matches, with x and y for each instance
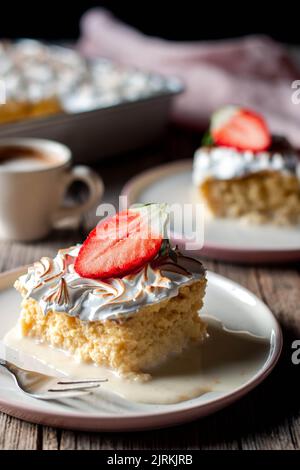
(243, 172)
(130, 321)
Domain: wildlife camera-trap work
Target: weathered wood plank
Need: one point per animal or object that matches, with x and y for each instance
(280, 289)
(17, 435)
(50, 438)
(294, 426)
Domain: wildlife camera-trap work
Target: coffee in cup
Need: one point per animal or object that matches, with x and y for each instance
(34, 177)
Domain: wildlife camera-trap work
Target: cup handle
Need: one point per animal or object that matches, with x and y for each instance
(95, 186)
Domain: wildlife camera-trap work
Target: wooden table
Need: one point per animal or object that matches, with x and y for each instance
(267, 418)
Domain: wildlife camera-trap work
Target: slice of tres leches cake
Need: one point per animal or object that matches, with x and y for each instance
(242, 171)
(124, 299)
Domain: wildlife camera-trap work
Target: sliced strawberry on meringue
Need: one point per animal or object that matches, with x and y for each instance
(122, 243)
(243, 129)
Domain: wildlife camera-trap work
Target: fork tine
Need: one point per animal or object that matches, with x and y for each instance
(82, 381)
(73, 389)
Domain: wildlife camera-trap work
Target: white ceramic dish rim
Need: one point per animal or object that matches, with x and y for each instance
(132, 421)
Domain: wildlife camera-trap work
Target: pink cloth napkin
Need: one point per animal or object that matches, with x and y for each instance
(252, 71)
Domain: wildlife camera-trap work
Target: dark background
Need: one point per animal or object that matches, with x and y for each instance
(181, 20)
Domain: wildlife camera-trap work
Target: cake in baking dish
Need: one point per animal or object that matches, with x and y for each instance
(244, 172)
(126, 301)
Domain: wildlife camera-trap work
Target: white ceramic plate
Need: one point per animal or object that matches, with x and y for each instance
(228, 240)
(237, 308)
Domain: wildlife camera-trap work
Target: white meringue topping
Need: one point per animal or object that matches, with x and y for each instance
(33, 71)
(227, 163)
(56, 286)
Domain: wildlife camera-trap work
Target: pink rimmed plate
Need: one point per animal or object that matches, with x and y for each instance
(224, 239)
(234, 306)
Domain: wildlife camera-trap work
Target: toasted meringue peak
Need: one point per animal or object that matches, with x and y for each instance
(57, 287)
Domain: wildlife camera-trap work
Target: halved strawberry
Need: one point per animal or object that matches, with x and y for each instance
(118, 246)
(240, 128)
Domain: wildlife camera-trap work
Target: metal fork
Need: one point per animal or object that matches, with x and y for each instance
(46, 387)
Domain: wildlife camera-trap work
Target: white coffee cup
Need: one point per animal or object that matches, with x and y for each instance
(34, 177)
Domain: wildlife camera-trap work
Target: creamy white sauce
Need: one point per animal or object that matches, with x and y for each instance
(224, 361)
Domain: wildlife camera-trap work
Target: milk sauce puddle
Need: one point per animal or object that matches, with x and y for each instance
(224, 361)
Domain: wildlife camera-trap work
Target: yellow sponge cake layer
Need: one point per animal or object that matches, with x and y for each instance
(128, 344)
(267, 196)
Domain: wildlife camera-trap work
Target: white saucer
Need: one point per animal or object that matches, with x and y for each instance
(228, 240)
(237, 308)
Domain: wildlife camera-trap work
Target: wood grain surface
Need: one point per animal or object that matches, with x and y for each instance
(267, 418)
